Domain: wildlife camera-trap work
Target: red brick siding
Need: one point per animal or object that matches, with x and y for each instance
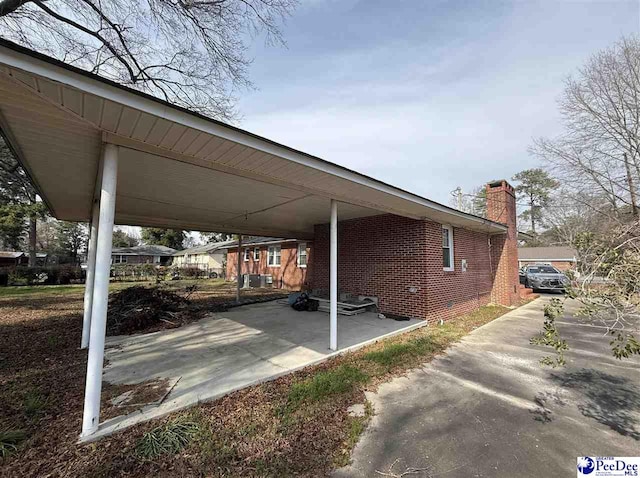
(381, 256)
(386, 255)
(287, 276)
(451, 293)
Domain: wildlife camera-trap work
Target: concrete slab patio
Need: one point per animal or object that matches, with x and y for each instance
(488, 408)
(232, 350)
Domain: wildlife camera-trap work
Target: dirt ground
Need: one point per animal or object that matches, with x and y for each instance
(296, 425)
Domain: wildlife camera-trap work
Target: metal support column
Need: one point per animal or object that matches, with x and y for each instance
(333, 277)
(93, 387)
(91, 267)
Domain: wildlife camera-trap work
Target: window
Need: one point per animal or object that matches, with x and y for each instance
(302, 254)
(119, 259)
(256, 254)
(273, 256)
(246, 255)
(447, 248)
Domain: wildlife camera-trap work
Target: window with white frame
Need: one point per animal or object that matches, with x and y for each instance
(119, 259)
(256, 254)
(447, 248)
(273, 256)
(302, 254)
(246, 255)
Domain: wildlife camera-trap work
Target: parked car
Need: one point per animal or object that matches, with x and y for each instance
(544, 277)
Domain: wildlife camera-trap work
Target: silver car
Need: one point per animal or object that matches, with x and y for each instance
(544, 277)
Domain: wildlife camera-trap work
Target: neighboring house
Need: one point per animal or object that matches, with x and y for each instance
(209, 257)
(152, 254)
(285, 261)
(17, 258)
(560, 257)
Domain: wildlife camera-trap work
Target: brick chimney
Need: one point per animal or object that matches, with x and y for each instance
(501, 207)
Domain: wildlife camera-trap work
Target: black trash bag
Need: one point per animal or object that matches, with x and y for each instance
(301, 302)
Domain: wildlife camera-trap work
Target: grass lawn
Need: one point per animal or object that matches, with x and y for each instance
(295, 425)
(204, 285)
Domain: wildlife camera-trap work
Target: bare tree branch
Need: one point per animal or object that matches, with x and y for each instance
(192, 53)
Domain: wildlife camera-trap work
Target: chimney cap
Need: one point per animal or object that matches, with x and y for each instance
(499, 183)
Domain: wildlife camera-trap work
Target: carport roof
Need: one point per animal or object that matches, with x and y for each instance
(178, 168)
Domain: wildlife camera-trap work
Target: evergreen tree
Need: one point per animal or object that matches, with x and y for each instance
(535, 188)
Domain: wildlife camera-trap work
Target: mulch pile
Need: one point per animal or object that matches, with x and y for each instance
(142, 308)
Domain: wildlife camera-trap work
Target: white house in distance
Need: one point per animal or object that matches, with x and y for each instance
(210, 258)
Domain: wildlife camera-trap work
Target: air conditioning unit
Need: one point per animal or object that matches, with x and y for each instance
(266, 280)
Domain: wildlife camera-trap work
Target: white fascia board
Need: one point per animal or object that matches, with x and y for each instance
(155, 107)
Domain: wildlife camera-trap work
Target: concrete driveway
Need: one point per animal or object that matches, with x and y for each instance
(487, 408)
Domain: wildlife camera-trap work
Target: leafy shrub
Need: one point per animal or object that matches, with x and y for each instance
(48, 275)
(137, 272)
(189, 272)
(167, 439)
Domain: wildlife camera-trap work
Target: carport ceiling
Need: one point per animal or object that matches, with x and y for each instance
(177, 169)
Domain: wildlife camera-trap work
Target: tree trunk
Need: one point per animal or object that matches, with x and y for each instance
(632, 188)
(532, 204)
(32, 241)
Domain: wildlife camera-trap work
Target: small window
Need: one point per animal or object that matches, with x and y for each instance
(256, 254)
(447, 248)
(302, 254)
(246, 255)
(273, 256)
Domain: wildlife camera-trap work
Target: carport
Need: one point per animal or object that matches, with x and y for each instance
(106, 154)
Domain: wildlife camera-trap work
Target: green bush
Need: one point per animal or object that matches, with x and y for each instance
(137, 272)
(47, 275)
(190, 272)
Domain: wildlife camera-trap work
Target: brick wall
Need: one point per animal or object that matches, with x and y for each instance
(399, 260)
(287, 276)
(389, 256)
(501, 207)
(381, 256)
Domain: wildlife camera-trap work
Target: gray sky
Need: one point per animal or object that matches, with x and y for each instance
(426, 95)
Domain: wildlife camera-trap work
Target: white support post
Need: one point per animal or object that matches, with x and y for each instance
(333, 277)
(239, 270)
(91, 267)
(91, 417)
